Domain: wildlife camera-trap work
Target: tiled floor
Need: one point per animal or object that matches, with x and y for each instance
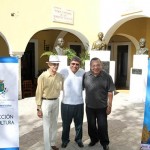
(125, 126)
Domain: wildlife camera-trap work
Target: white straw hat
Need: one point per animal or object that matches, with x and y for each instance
(53, 59)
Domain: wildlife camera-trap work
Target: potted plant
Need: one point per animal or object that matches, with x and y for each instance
(84, 56)
(70, 53)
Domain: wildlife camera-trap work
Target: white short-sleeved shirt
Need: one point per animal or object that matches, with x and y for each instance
(72, 88)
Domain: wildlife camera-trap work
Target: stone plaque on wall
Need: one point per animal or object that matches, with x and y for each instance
(62, 15)
(137, 71)
(106, 65)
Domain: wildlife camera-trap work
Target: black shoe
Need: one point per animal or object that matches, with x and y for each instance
(80, 144)
(92, 143)
(105, 147)
(64, 145)
(54, 148)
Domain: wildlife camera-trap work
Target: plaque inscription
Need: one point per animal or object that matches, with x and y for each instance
(137, 71)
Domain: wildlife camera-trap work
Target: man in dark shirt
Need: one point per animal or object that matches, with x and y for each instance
(99, 89)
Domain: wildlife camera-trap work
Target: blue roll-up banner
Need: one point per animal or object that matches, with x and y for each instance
(9, 128)
(145, 141)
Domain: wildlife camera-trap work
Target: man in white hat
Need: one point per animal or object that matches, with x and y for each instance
(48, 90)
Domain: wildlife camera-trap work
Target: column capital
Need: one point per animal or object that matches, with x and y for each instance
(17, 54)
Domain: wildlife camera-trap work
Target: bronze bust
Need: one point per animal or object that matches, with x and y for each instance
(142, 50)
(59, 48)
(100, 43)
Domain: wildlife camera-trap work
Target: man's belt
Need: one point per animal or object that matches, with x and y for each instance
(49, 98)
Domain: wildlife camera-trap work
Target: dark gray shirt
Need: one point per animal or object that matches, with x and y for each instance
(97, 88)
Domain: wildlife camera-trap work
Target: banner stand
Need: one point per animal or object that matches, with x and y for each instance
(9, 128)
(145, 141)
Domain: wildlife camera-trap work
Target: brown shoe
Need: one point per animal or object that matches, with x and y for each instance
(55, 148)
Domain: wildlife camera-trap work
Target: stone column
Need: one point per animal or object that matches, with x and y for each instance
(18, 55)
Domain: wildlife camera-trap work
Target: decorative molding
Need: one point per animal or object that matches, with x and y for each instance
(131, 11)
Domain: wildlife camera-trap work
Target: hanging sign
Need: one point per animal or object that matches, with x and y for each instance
(9, 129)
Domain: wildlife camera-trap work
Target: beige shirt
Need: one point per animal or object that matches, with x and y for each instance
(48, 86)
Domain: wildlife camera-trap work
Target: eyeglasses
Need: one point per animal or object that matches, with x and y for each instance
(75, 64)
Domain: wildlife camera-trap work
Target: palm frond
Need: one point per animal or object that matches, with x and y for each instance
(48, 53)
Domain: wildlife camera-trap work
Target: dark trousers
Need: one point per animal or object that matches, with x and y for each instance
(97, 125)
(69, 113)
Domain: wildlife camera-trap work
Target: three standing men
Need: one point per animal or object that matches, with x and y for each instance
(99, 89)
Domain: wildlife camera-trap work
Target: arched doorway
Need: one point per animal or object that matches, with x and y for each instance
(32, 62)
(121, 52)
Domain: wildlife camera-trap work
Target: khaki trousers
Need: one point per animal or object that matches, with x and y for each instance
(50, 109)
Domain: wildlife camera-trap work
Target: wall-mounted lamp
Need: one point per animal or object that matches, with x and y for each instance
(12, 14)
(46, 46)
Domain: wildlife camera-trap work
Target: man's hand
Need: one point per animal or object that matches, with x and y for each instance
(39, 113)
(108, 110)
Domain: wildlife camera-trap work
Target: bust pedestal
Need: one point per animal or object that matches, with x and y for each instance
(138, 78)
(63, 62)
(104, 56)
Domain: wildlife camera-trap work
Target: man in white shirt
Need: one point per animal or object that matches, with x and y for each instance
(72, 106)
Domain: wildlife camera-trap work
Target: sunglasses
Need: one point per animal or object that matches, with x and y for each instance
(75, 64)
